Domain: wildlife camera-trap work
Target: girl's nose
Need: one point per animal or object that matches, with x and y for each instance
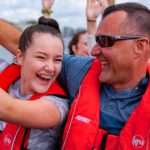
(50, 66)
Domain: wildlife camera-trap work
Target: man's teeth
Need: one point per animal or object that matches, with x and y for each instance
(104, 62)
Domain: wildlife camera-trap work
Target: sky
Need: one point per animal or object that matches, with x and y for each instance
(67, 12)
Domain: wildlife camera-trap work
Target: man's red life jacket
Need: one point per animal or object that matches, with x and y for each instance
(82, 130)
(15, 137)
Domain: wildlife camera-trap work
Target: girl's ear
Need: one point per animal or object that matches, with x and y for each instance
(19, 56)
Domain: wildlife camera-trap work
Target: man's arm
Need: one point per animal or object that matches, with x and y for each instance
(9, 36)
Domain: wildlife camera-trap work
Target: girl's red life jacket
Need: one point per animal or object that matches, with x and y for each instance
(82, 130)
(15, 137)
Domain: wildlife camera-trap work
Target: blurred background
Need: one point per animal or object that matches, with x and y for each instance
(69, 13)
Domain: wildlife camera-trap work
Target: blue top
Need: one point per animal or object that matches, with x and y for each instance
(115, 107)
(73, 70)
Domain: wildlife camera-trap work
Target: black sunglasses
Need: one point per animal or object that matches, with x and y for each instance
(108, 41)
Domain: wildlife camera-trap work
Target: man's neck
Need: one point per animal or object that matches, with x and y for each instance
(128, 85)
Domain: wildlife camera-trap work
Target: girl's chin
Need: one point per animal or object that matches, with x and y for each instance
(41, 90)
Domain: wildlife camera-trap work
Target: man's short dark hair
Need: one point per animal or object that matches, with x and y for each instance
(138, 17)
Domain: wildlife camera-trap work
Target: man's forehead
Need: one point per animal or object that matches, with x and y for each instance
(112, 22)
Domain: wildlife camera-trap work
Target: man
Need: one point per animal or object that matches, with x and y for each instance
(124, 119)
(111, 106)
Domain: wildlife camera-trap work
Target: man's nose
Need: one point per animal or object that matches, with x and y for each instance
(96, 50)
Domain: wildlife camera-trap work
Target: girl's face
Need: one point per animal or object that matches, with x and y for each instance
(41, 63)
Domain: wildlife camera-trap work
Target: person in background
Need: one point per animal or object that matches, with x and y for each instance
(33, 111)
(78, 44)
(83, 41)
(94, 8)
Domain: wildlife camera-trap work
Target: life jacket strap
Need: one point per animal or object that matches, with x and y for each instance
(104, 140)
(24, 143)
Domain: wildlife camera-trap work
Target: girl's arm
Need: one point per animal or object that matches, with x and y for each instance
(41, 113)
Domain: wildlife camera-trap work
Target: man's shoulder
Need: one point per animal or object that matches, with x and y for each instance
(73, 71)
(70, 60)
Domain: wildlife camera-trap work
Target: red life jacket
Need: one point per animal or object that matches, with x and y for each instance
(82, 130)
(14, 135)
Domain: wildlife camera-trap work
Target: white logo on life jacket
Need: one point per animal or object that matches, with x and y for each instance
(7, 139)
(138, 141)
(83, 119)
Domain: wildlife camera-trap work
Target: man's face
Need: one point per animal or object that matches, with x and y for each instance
(117, 60)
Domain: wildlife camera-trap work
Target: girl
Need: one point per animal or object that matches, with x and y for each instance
(34, 110)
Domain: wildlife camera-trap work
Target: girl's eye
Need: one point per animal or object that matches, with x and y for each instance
(58, 60)
(40, 57)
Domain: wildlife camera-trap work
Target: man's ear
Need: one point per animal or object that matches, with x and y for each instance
(142, 45)
(19, 56)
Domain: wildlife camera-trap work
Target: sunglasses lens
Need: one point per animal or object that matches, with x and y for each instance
(104, 41)
(108, 41)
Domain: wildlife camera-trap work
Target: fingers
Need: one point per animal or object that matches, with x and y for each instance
(111, 2)
(103, 3)
(91, 1)
(47, 3)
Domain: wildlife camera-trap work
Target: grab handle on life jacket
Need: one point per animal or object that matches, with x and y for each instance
(105, 140)
(99, 138)
(24, 143)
